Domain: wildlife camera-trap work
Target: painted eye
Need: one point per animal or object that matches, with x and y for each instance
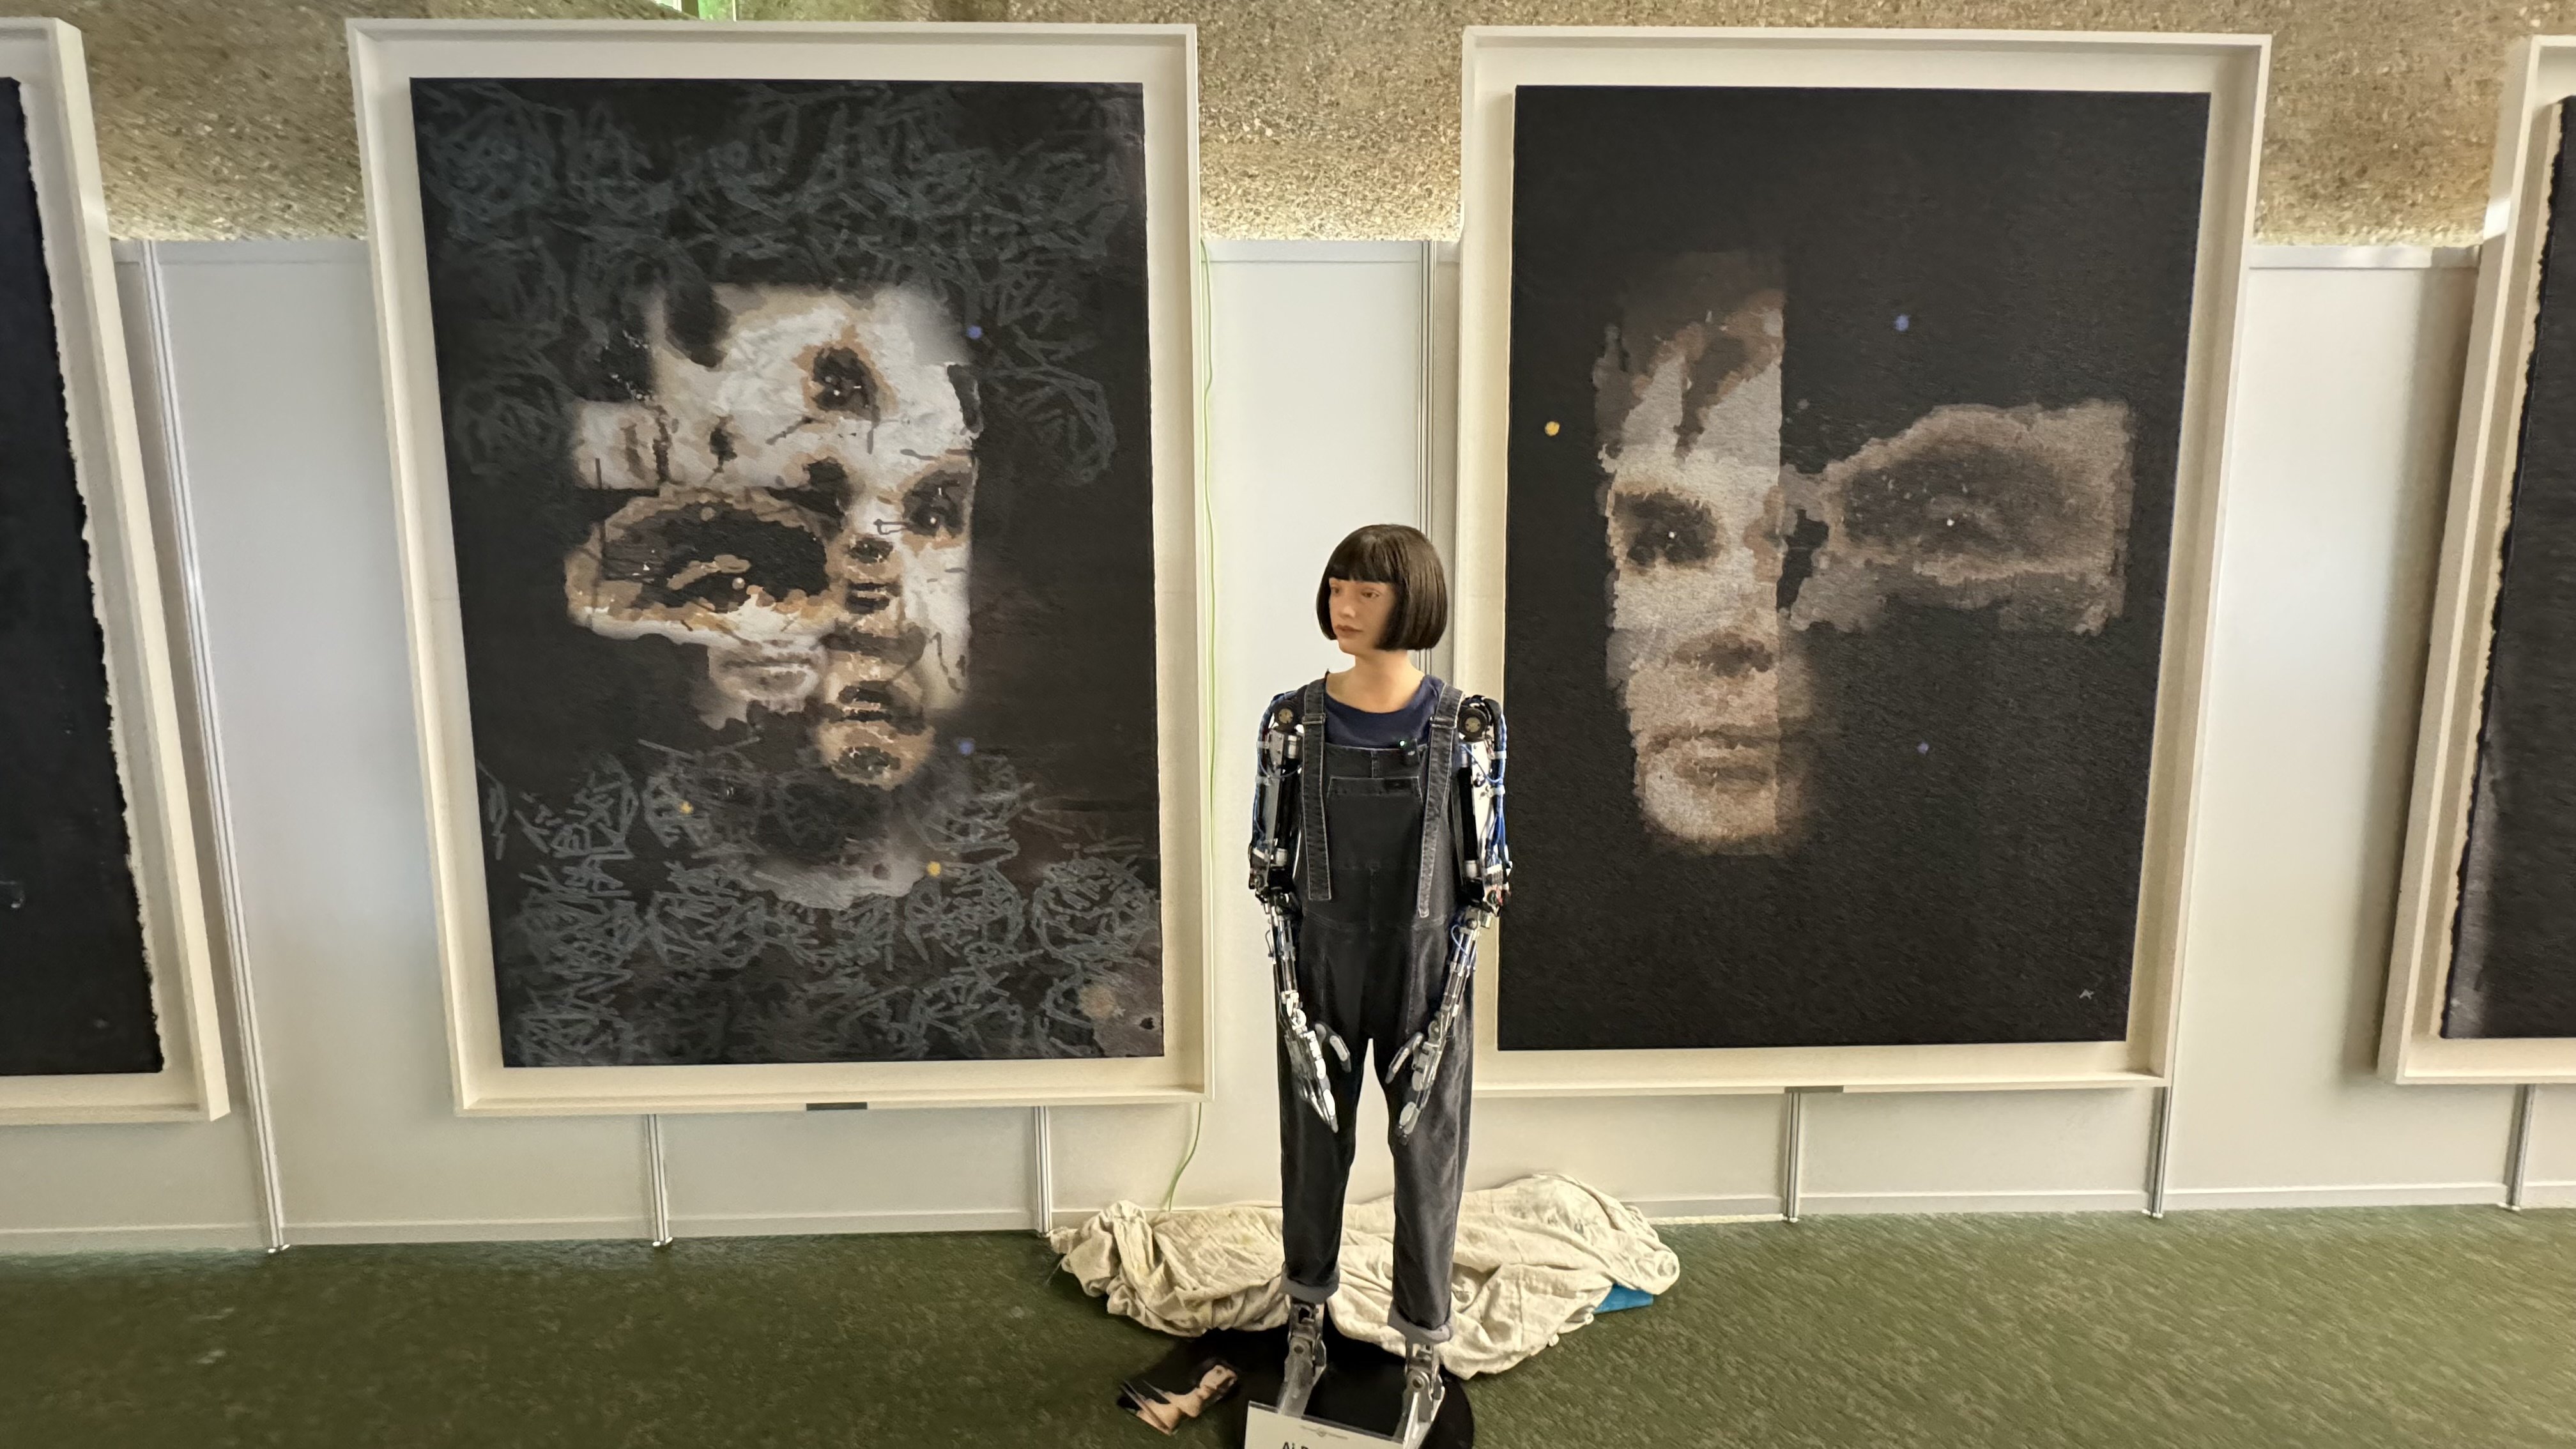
(1663, 529)
(935, 507)
(711, 557)
(842, 383)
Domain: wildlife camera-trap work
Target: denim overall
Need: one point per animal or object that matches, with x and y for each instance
(1377, 875)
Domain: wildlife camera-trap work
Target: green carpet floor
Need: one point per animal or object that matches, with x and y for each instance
(2262, 1330)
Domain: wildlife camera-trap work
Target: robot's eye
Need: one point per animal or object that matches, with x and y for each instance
(842, 383)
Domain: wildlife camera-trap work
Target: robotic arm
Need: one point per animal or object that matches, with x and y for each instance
(1485, 871)
(1274, 880)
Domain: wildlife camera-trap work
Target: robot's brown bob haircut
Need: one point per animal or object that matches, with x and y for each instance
(1390, 553)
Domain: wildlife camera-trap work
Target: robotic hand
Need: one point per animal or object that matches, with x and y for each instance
(1306, 1041)
(1431, 1043)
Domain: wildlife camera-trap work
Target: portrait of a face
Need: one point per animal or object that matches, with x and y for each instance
(800, 476)
(805, 485)
(1843, 438)
(1689, 408)
(2024, 511)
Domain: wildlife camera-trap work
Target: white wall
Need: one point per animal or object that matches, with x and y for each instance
(275, 452)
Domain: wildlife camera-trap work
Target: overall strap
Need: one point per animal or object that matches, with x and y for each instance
(1314, 849)
(1439, 776)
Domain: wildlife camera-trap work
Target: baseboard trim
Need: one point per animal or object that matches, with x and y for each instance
(464, 1230)
(2549, 1194)
(1757, 1207)
(197, 1237)
(2077, 1200)
(2428, 1194)
(138, 1238)
(2440, 1194)
(683, 1225)
(1679, 1211)
(776, 1225)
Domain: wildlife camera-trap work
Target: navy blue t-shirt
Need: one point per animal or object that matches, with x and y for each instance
(1367, 729)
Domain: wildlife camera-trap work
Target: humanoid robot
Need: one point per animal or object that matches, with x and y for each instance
(1378, 853)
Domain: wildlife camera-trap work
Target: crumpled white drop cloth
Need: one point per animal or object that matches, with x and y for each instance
(1535, 1258)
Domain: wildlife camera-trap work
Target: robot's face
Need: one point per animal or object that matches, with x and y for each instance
(1359, 610)
(1690, 440)
(803, 484)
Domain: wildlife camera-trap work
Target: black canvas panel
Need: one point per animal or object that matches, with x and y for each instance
(798, 447)
(2513, 971)
(1925, 649)
(75, 994)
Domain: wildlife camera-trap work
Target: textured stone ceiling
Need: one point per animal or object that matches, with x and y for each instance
(1319, 118)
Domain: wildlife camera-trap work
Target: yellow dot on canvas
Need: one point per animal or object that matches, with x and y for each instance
(1551, 428)
(933, 867)
(688, 809)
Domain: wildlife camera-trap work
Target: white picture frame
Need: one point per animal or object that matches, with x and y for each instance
(45, 58)
(385, 56)
(2540, 71)
(2232, 71)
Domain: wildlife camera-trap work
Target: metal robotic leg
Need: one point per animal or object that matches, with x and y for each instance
(1305, 1358)
(1423, 1392)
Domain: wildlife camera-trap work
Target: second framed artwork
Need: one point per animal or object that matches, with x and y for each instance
(795, 434)
(1841, 417)
(2481, 988)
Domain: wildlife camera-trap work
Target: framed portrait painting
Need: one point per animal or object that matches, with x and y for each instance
(795, 433)
(1840, 426)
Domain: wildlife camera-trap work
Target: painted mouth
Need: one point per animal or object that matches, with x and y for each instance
(865, 764)
(878, 704)
(1719, 757)
(774, 678)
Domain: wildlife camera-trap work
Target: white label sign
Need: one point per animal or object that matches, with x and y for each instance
(1265, 1428)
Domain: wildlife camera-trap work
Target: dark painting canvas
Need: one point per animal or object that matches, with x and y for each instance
(2513, 965)
(799, 464)
(1842, 472)
(75, 991)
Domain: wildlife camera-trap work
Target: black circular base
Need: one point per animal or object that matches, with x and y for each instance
(1363, 1385)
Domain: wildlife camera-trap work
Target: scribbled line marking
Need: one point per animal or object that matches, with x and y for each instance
(619, 975)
